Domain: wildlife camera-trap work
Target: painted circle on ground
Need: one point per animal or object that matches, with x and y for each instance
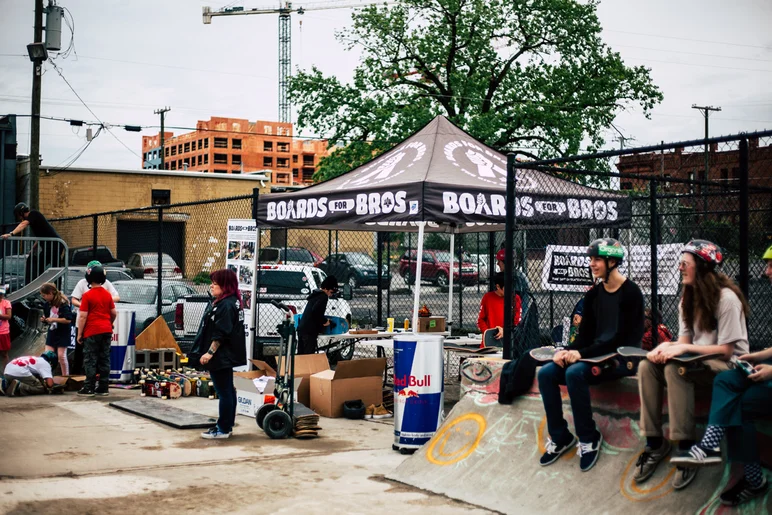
(470, 428)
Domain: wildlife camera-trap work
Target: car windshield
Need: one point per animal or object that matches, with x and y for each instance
(299, 255)
(282, 281)
(132, 293)
(360, 258)
(269, 255)
(443, 257)
(71, 279)
(153, 260)
(82, 257)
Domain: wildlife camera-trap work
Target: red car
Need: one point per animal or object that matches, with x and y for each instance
(435, 267)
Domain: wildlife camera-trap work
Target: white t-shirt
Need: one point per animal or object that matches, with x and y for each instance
(82, 287)
(29, 366)
(731, 325)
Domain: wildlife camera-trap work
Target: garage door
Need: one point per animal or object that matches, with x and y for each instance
(137, 236)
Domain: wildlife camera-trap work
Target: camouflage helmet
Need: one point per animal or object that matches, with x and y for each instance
(705, 250)
(606, 248)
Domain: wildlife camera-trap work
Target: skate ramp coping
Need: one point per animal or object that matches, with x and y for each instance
(487, 454)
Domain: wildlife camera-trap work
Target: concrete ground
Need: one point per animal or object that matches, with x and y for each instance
(67, 454)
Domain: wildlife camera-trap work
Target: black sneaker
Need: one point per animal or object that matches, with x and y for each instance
(697, 455)
(103, 392)
(86, 391)
(589, 453)
(554, 451)
(743, 492)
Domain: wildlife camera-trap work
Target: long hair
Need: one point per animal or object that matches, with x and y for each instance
(700, 300)
(228, 282)
(59, 297)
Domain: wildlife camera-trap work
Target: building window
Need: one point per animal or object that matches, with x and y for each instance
(166, 151)
(236, 159)
(267, 146)
(199, 159)
(294, 159)
(308, 174)
(193, 145)
(187, 147)
(174, 165)
(267, 161)
(221, 143)
(174, 150)
(186, 162)
(282, 146)
(221, 159)
(308, 160)
(166, 166)
(725, 179)
(282, 162)
(267, 129)
(160, 197)
(236, 143)
(295, 174)
(144, 156)
(220, 171)
(236, 171)
(179, 148)
(735, 178)
(206, 143)
(206, 159)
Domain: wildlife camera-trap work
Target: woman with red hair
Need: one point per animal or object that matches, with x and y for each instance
(221, 344)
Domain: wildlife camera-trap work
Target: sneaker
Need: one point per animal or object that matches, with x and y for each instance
(215, 434)
(742, 492)
(698, 455)
(369, 411)
(380, 412)
(588, 453)
(648, 461)
(102, 391)
(684, 477)
(554, 451)
(86, 391)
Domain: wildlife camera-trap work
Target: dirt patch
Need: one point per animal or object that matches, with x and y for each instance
(152, 448)
(66, 455)
(256, 440)
(23, 408)
(430, 499)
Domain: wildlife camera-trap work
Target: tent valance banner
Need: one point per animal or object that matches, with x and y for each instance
(446, 178)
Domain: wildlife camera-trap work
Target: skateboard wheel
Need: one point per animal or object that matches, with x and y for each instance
(142, 381)
(164, 397)
(143, 394)
(682, 371)
(629, 365)
(211, 384)
(596, 371)
(211, 397)
(163, 384)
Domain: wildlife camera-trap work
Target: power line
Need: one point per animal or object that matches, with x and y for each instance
(691, 53)
(686, 39)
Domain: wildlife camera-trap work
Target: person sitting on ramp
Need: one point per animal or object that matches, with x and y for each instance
(612, 318)
(29, 375)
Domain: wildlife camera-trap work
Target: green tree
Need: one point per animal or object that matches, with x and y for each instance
(527, 75)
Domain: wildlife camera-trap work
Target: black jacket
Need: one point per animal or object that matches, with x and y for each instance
(629, 325)
(223, 322)
(313, 319)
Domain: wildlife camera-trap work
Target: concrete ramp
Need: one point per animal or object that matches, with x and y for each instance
(487, 454)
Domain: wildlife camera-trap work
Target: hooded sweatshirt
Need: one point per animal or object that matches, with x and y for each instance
(313, 319)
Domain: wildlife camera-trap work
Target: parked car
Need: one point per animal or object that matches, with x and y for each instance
(141, 295)
(145, 265)
(435, 268)
(12, 268)
(80, 256)
(355, 268)
(76, 273)
(481, 262)
(292, 256)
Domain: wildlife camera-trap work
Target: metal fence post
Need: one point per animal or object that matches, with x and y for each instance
(255, 305)
(159, 269)
(460, 279)
(744, 218)
(509, 259)
(388, 268)
(491, 259)
(379, 279)
(96, 236)
(653, 236)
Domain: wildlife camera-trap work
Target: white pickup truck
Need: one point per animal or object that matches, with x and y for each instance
(288, 284)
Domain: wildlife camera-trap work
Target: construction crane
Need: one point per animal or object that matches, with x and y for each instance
(285, 38)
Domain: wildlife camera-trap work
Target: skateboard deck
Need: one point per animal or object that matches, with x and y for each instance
(471, 349)
(162, 389)
(689, 361)
(205, 388)
(489, 338)
(601, 363)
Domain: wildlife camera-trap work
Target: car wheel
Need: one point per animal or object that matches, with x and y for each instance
(353, 282)
(442, 279)
(409, 279)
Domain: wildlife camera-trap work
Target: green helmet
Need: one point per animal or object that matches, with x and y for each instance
(768, 254)
(92, 264)
(50, 357)
(606, 248)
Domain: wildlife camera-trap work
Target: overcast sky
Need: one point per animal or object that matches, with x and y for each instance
(136, 56)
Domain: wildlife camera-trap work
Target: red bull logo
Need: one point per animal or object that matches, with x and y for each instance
(407, 393)
(411, 380)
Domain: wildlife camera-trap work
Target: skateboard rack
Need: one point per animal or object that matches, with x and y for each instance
(161, 359)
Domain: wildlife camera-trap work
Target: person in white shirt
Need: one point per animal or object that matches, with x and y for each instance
(29, 375)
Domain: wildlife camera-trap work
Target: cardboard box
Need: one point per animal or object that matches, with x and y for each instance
(248, 397)
(431, 324)
(305, 366)
(71, 383)
(351, 380)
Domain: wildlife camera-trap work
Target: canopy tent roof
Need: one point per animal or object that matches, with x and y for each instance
(443, 176)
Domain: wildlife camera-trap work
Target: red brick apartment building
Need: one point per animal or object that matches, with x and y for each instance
(232, 145)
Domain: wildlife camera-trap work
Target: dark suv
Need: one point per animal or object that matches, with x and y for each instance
(355, 268)
(435, 267)
(80, 256)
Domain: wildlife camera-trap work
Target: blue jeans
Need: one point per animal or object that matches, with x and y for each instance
(736, 402)
(226, 392)
(578, 378)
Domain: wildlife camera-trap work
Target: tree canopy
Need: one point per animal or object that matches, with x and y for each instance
(527, 75)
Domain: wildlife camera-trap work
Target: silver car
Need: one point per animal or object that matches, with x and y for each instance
(141, 296)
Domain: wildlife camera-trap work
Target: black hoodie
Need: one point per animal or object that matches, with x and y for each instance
(223, 322)
(313, 319)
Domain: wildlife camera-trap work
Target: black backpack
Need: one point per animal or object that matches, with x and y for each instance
(517, 375)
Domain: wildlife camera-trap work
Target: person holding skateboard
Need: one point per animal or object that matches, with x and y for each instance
(313, 319)
(739, 396)
(491, 317)
(612, 317)
(221, 343)
(712, 315)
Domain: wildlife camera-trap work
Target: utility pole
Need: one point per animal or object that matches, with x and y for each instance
(162, 112)
(622, 139)
(706, 113)
(37, 83)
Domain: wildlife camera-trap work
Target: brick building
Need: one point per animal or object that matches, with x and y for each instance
(233, 146)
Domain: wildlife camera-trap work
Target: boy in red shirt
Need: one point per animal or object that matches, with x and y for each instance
(491, 315)
(95, 332)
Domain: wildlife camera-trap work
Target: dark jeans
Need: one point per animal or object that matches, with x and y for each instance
(96, 359)
(223, 385)
(578, 378)
(306, 343)
(736, 402)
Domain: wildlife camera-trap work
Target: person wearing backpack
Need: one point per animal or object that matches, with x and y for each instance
(612, 318)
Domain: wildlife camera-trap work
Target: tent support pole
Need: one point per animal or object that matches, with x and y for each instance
(419, 262)
(450, 278)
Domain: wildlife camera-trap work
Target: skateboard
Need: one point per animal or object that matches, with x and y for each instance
(600, 363)
(163, 389)
(338, 325)
(489, 338)
(470, 349)
(688, 362)
(205, 388)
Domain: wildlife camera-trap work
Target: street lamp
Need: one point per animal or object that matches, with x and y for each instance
(37, 52)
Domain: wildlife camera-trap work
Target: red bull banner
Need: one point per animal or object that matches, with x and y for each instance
(418, 388)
